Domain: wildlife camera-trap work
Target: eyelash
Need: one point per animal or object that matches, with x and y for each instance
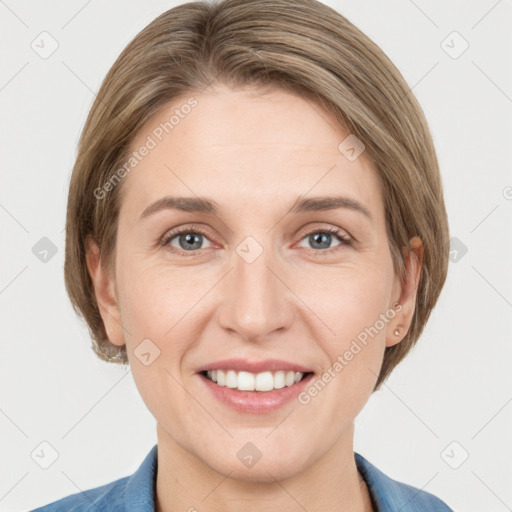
(345, 241)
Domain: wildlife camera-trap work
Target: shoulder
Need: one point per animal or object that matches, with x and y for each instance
(103, 498)
(391, 495)
(128, 494)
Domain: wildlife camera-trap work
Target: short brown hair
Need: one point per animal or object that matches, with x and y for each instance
(302, 46)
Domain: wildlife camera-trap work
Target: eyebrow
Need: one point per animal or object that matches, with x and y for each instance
(210, 207)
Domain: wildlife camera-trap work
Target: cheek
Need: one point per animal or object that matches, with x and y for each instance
(161, 310)
(352, 304)
(152, 299)
(353, 309)
(154, 309)
(347, 299)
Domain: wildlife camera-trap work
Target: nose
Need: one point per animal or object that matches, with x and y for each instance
(256, 299)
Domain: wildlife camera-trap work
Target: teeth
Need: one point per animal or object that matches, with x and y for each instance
(246, 381)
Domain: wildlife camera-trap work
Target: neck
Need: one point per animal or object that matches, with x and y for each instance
(187, 483)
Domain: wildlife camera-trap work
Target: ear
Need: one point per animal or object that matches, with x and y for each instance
(105, 292)
(406, 295)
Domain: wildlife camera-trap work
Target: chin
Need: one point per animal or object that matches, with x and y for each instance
(247, 463)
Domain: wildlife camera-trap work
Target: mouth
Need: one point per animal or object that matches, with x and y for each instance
(255, 387)
(258, 382)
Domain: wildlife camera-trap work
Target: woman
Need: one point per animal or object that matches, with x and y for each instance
(256, 225)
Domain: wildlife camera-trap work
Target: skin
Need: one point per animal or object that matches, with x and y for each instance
(254, 152)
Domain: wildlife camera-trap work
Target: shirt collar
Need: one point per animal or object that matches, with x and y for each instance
(140, 489)
(390, 495)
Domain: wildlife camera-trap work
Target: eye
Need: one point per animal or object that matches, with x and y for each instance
(187, 240)
(321, 239)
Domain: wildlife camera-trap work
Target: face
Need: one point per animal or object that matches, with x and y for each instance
(267, 278)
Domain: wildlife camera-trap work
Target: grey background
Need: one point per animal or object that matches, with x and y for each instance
(452, 396)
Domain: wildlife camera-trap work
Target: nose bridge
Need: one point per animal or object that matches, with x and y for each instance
(256, 302)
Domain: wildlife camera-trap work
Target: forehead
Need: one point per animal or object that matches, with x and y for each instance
(246, 147)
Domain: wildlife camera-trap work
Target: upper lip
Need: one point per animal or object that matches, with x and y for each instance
(268, 365)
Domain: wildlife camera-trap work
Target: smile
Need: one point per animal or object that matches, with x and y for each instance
(247, 381)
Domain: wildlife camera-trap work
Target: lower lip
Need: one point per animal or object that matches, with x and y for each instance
(256, 402)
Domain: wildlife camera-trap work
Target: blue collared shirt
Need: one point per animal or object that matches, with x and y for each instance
(136, 493)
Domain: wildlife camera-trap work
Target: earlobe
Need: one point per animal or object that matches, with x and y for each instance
(104, 290)
(413, 259)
